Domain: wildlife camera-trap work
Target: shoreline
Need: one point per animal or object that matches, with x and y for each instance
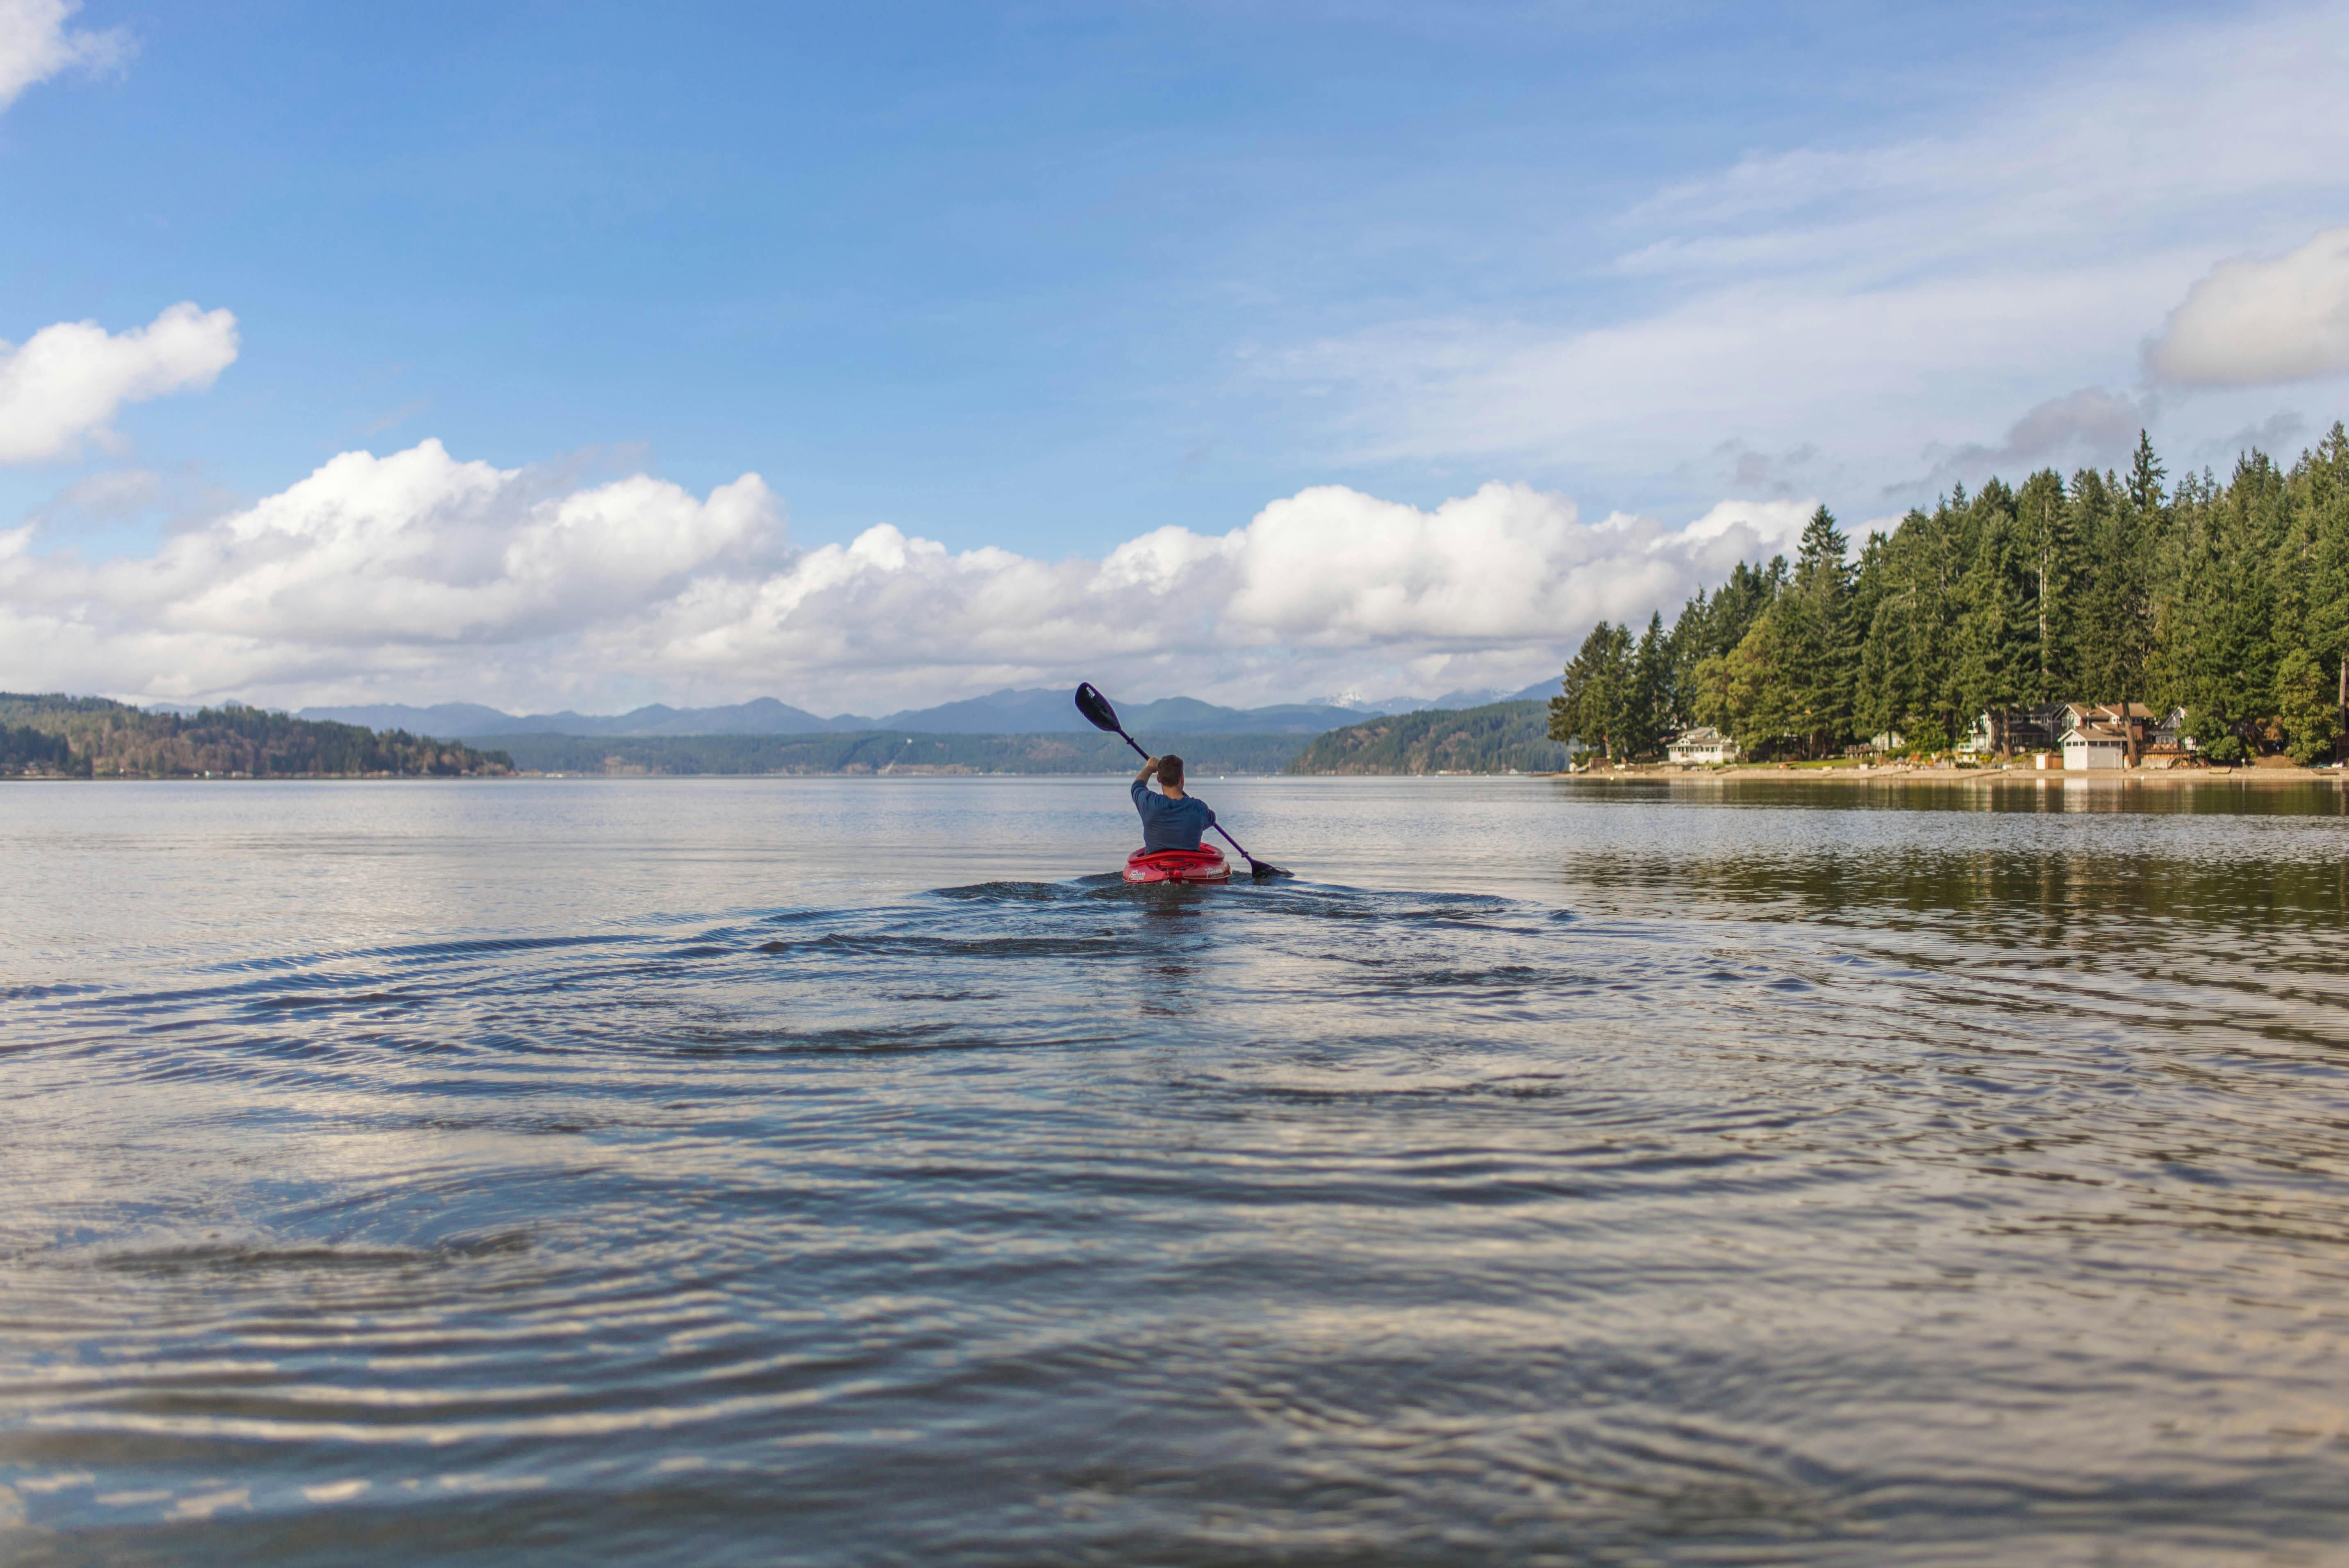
(1645, 773)
(2100, 778)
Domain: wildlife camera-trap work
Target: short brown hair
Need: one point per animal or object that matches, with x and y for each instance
(1170, 770)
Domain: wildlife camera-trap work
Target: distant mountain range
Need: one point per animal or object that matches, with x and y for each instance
(1033, 710)
(463, 720)
(891, 751)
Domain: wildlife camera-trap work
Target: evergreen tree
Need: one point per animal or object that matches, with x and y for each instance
(1650, 721)
(1593, 707)
(1688, 646)
(1996, 645)
(2146, 474)
(1762, 695)
(2305, 710)
(2220, 640)
(1814, 646)
(1876, 693)
(2321, 497)
(2045, 518)
(2117, 532)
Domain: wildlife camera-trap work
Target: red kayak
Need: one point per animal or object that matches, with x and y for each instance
(1204, 864)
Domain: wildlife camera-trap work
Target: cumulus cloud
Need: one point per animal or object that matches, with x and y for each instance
(1746, 530)
(2257, 320)
(419, 576)
(36, 45)
(64, 386)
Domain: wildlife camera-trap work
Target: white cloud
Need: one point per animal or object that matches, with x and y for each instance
(36, 45)
(64, 386)
(1748, 529)
(2254, 321)
(1886, 301)
(419, 577)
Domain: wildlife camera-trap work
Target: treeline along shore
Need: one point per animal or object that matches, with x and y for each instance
(60, 737)
(2227, 600)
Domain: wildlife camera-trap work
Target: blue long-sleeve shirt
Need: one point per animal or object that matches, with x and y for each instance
(1171, 825)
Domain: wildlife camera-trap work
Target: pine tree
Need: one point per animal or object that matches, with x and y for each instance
(1995, 644)
(2117, 531)
(2322, 496)
(1815, 647)
(1874, 691)
(1688, 647)
(1593, 707)
(1648, 720)
(2305, 706)
(2044, 515)
(1932, 629)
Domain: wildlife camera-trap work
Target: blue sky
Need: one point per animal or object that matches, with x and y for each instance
(1034, 281)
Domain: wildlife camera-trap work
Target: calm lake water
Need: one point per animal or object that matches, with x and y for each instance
(847, 1172)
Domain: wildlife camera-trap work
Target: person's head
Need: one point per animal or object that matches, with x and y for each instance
(1170, 771)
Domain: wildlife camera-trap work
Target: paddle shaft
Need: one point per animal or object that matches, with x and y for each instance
(1219, 827)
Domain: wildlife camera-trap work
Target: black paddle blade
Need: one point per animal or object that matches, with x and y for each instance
(1264, 872)
(1096, 708)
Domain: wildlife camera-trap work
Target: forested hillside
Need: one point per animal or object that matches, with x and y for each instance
(888, 751)
(1500, 737)
(2229, 600)
(89, 737)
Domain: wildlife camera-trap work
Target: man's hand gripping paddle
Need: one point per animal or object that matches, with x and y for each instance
(1101, 716)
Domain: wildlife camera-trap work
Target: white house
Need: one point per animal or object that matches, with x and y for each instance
(2093, 745)
(1702, 744)
(2031, 728)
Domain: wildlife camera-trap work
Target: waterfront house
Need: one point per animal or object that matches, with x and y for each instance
(1702, 744)
(2087, 733)
(2004, 730)
(2095, 745)
(2130, 720)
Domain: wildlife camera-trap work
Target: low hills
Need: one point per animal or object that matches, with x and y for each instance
(54, 735)
(472, 721)
(1498, 738)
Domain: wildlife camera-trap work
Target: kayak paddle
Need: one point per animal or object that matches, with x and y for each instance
(1101, 716)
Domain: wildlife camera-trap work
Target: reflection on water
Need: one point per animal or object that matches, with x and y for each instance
(836, 1172)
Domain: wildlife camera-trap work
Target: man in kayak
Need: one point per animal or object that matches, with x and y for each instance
(1172, 820)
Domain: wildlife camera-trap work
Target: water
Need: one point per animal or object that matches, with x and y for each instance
(842, 1172)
